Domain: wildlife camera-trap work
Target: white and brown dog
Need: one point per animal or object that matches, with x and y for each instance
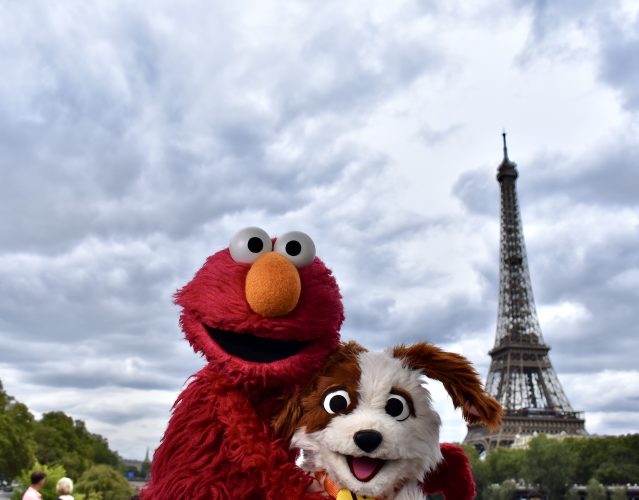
(365, 423)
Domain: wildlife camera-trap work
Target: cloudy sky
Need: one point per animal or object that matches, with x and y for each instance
(137, 137)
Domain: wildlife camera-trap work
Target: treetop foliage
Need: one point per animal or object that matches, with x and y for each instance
(16, 431)
(54, 439)
(105, 483)
(556, 465)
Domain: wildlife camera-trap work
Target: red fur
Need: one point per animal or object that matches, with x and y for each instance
(218, 443)
(453, 477)
(218, 447)
(216, 297)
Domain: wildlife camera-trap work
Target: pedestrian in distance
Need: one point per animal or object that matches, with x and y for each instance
(64, 488)
(37, 482)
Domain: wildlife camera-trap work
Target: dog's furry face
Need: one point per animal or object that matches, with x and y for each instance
(366, 419)
(370, 425)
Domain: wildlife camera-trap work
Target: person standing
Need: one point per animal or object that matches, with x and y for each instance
(64, 488)
(37, 482)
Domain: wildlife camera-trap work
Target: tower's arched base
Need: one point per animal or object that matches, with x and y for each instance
(521, 423)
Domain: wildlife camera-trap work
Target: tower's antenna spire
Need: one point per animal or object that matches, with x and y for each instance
(503, 134)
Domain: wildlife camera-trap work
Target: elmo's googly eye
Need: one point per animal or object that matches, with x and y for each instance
(249, 243)
(298, 247)
(336, 401)
(397, 407)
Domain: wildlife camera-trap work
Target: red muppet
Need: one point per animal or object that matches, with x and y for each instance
(266, 314)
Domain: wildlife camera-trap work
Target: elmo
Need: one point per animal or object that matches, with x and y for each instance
(266, 314)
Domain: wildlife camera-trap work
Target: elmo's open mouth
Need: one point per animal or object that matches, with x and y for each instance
(250, 347)
(364, 468)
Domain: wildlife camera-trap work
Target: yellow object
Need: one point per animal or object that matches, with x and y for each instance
(273, 285)
(345, 494)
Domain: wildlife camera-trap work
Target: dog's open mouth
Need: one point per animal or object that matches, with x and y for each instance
(249, 347)
(364, 468)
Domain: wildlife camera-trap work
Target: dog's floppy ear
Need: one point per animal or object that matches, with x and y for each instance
(459, 378)
(287, 421)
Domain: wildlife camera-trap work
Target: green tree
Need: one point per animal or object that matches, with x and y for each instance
(554, 464)
(505, 463)
(480, 470)
(61, 439)
(58, 441)
(548, 464)
(595, 490)
(102, 454)
(53, 472)
(586, 455)
(492, 492)
(105, 483)
(16, 436)
(490, 471)
(507, 490)
(572, 494)
(610, 459)
(619, 493)
(617, 473)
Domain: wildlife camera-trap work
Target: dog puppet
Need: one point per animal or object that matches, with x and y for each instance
(366, 426)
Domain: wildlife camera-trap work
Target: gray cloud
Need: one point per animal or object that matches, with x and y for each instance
(569, 266)
(433, 136)
(134, 140)
(478, 191)
(550, 22)
(610, 31)
(549, 16)
(122, 157)
(125, 140)
(606, 176)
(596, 281)
(618, 66)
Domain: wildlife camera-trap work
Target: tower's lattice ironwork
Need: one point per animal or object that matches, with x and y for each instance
(521, 376)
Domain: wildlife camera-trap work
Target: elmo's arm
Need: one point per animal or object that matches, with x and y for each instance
(214, 439)
(453, 476)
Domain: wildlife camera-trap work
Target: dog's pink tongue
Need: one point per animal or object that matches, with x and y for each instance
(364, 467)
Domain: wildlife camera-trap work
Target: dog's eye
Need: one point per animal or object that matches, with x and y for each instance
(336, 401)
(397, 407)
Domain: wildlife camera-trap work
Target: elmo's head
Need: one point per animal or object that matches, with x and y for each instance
(265, 311)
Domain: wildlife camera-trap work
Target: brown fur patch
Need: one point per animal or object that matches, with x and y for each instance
(459, 378)
(306, 408)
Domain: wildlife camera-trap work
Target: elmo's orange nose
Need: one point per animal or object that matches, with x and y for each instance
(273, 285)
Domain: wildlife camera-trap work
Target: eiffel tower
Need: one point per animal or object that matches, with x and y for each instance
(521, 376)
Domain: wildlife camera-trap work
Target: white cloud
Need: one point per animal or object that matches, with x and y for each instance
(562, 317)
(136, 139)
(610, 388)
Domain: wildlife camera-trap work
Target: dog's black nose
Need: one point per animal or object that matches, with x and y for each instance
(367, 440)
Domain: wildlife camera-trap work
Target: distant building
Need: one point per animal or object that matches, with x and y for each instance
(137, 469)
(523, 441)
(131, 464)
(521, 376)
